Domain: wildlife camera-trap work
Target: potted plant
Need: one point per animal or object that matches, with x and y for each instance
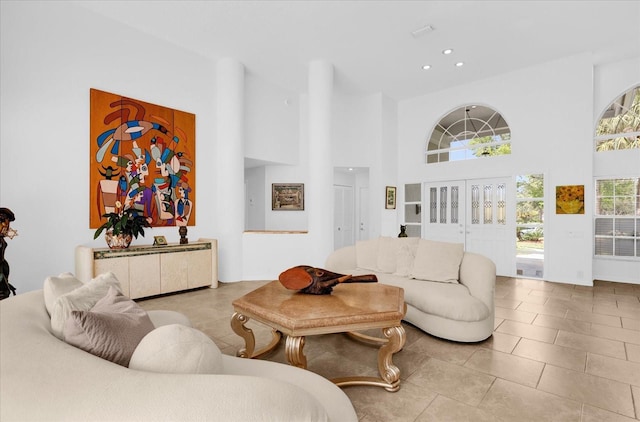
(122, 226)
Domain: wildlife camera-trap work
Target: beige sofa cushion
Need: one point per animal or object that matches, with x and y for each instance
(177, 349)
(447, 300)
(111, 330)
(54, 287)
(81, 299)
(389, 249)
(367, 254)
(437, 261)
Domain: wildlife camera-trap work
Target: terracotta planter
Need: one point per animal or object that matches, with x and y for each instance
(119, 241)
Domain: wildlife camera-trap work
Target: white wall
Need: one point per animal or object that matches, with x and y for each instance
(278, 219)
(365, 135)
(360, 128)
(272, 122)
(52, 54)
(389, 164)
(549, 110)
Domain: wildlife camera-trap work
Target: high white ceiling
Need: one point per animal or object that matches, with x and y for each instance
(370, 42)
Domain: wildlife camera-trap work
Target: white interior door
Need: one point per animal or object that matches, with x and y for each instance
(363, 214)
(343, 217)
(444, 218)
(478, 213)
(490, 222)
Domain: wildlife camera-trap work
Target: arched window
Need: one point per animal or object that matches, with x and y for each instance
(469, 132)
(619, 125)
(617, 200)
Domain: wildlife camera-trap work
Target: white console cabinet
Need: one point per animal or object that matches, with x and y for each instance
(152, 270)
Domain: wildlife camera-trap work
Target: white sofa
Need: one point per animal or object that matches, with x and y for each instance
(449, 292)
(44, 378)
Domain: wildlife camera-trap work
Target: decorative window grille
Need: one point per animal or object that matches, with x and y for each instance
(454, 205)
(619, 125)
(433, 205)
(475, 204)
(617, 218)
(501, 203)
(443, 204)
(488, 204)
(469, 132)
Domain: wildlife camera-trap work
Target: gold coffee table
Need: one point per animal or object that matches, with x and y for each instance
(350, 308)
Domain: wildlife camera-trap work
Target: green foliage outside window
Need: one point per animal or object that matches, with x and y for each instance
(504, 149)
(622, 117)
(530, 195)
(618, 197)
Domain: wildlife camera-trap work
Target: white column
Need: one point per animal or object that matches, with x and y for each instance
(319, 194)
(230, 168)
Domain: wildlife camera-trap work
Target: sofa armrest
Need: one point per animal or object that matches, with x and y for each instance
(342, 260)
(478, 273)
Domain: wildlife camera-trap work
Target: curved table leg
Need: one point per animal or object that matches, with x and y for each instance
(238, 322)
(389, 373)
(237, 325)
(293, 350)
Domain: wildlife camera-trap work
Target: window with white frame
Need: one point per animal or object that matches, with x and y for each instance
(617, 217)
(617, 200)
(619, 125)
(469, 132)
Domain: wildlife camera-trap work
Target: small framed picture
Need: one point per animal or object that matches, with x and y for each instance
(159, 241)
(570, 199)
(390, 198)
(287, 196)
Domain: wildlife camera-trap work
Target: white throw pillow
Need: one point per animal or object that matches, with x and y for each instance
(112, 329)
(388, 250)
(437, 261)
(81, 299)
(367, 254)
(404, 259)
(386, 261)
(54, 287)
(177, 349)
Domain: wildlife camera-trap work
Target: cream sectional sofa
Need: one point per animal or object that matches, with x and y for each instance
(449, 292)
(44, 378)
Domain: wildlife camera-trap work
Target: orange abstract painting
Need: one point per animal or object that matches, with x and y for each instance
(142, 157)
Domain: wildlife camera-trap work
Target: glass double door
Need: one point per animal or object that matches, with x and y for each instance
(478, 213)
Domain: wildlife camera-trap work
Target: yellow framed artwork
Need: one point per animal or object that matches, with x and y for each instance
(570, 199)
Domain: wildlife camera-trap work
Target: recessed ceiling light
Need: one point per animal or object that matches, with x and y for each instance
(426, 67)
(350, 168)
(447, 51)
(459, 64)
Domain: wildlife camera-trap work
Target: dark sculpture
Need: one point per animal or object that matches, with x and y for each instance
(183, 235)
(6, 217)
(317, 281)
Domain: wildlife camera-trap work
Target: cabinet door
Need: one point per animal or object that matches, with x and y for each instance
(144, 276)
(200, 264)
(174, 271)
(118, 266)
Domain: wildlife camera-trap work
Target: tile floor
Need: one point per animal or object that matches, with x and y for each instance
(559, 352)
